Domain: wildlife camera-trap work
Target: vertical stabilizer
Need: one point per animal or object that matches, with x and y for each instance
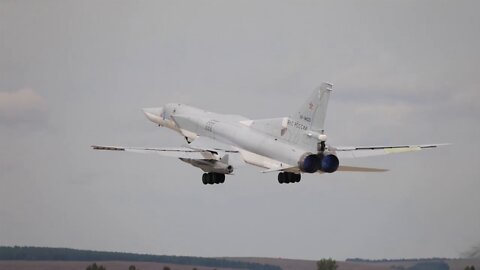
(303, 128)
(312, 114)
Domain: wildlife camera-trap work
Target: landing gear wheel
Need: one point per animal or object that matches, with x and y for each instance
(281, 178)
(221, 178)
(287, 178)
(213, 178)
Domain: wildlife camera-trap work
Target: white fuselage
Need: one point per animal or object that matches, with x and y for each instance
(255, 146)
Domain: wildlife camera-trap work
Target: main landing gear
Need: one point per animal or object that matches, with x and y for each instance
(287, 178)
(213, 178)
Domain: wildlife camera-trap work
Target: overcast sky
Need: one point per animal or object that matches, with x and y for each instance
(76, 73)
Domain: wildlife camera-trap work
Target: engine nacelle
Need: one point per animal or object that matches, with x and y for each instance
(210, 166)
(220, 167)
(309, 163)
(329, 163)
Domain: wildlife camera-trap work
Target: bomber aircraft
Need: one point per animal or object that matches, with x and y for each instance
(219, 143)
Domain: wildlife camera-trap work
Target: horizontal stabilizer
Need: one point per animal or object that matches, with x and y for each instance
(369, 151)
(359, 169)
(295, 169)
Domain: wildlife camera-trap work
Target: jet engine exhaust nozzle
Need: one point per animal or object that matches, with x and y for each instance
(309, 163)
(329, 163)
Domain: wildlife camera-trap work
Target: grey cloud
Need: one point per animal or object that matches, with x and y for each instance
(22, 106)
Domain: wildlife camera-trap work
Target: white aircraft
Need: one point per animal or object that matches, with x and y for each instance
(218, 143)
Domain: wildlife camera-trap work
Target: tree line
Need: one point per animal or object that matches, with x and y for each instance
(66, 254)
(396, 260)
(94, 266)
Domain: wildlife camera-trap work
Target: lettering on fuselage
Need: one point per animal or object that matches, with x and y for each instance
(296, 124)
(209, 125)
(306, 118)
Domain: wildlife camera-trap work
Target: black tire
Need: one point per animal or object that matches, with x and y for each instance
(290, 178)
(205, 179)
(211, 178)
(281, 178)
(221, 178)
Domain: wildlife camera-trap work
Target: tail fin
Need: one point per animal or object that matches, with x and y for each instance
(309, 119)
(312, 113)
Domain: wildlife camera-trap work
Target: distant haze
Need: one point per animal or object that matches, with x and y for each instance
(77, 73)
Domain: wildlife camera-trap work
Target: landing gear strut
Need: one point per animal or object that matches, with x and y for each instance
(321, 147)
(213, 178)
(287, 178)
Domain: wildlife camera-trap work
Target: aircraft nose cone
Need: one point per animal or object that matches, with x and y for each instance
(154, 114)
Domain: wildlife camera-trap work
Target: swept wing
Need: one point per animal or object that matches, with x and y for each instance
(178, 152)
(202, 148)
